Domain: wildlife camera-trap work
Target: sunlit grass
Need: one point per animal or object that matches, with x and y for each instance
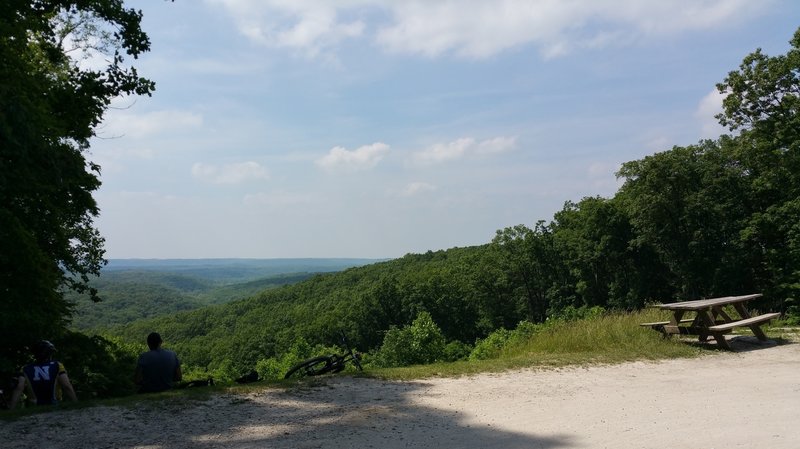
(612, 338)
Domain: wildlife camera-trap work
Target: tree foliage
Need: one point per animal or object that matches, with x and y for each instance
(50, 104)
(763, 104)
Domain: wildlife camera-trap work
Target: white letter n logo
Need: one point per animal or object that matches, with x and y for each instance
(40, 373)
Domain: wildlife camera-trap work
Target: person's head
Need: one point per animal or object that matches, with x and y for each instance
(154, 340)
(43, 350)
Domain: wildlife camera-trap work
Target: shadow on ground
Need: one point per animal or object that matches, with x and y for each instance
(737, 343)
(335, 412)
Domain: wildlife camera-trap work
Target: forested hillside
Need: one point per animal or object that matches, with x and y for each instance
(721, 217)
(130, 290)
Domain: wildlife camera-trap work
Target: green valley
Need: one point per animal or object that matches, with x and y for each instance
(137, 289)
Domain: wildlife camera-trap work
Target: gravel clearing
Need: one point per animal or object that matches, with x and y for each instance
(746, 398)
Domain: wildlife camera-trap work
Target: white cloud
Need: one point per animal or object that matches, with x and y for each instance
(457, 149)
(362, 158)
(476, 28)
(313, 27)
(130, 124)
(444, 152)
(496, 145)
(229, 174)
(482, 28)
(708, 107)
(416, 188)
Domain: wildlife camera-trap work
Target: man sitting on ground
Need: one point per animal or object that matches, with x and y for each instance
(158, 368)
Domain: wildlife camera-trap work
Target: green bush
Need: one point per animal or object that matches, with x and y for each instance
(792, 315)
(271, 368)
(490, 347)
(275, 368)
(420, 343)
(456, 350)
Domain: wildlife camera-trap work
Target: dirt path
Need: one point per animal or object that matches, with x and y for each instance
(744, 399)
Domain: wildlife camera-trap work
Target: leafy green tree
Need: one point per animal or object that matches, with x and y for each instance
(762, 103)
(763, 96)
(532, 264)
(596, 240)
(49, 108)
(689, 204)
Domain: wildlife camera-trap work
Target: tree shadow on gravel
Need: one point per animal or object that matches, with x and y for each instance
(739, 343)
(334, 412)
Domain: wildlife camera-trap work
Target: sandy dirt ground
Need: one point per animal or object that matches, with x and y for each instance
(743, 399)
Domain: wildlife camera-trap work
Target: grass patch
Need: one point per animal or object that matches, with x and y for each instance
(611, 338)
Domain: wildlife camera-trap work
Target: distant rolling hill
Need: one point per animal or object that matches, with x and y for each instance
(133, 289)
(234, 270)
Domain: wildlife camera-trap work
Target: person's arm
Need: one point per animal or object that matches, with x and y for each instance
(17, 393)
(66, 386)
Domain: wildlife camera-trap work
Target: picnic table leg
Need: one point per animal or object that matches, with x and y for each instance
(756, 328)
(701, 322)
(718, 311)
(707, 319)
(674, 323)
(676, 317)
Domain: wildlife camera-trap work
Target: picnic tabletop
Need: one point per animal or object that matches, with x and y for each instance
(701, 304)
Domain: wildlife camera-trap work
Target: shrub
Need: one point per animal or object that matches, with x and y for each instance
(490, 347)
(420, 343)
(501, 339)
(456, 350)
(792, 314)
(276, 367)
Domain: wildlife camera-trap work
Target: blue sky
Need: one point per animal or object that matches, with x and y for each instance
(364, 128)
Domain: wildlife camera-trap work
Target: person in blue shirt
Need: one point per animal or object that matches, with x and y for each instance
(46, 380)
(157, 368)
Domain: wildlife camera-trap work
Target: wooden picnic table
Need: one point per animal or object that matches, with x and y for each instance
(711, 320)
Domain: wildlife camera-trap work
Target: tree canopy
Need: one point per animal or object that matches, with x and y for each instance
(51, 100)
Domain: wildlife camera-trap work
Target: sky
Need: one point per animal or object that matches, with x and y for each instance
(374, 129)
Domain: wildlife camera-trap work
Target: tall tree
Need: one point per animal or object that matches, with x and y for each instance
(609, 268)
(688, 204)
(762, 103)
(533, 265)
(724, 215)
(51, 100)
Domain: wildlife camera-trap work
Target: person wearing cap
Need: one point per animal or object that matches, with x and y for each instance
(46, 380)
(157, 368)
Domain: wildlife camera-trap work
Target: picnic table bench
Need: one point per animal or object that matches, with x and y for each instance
(711, 320)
